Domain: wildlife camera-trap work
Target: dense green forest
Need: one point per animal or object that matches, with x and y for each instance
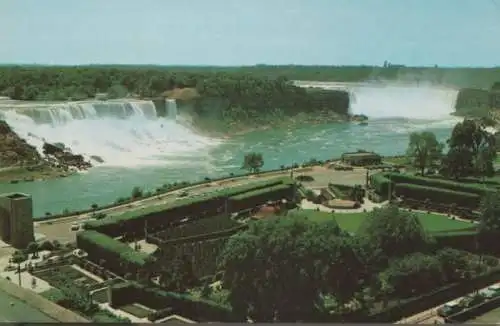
(461, 77)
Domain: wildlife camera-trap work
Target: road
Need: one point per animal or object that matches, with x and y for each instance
(20, 311)
(430, 316)
(59, 229)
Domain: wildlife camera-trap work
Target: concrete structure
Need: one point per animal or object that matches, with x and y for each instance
(16, 219)
(361, 158)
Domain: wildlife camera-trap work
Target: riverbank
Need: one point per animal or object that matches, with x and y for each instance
(27, 174)
(215, 128)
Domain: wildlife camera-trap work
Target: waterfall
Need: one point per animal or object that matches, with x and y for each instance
(124, 133)
(171, 106)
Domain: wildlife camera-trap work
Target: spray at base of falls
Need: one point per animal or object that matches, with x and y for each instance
(124, 133)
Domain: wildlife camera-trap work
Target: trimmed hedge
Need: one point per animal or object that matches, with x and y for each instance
(216, 198)
(181, 304)
(343, 191)
(443, 196)
(438, 183)
(258, 197)
(100, 245)
(259, 192)
(382, 181)
(121, 294)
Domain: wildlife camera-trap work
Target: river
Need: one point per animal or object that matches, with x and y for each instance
(148, 152)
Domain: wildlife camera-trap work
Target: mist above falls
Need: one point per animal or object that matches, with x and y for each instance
(123, 133)
(421, 102)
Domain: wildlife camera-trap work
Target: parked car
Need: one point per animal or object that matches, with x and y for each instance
(449, 309)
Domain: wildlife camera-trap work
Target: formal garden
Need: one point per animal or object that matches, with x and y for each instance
(434, 240)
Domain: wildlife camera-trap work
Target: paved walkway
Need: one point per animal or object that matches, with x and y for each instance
(368, 205)
(27, 281)
(123, 314)
(20, 311)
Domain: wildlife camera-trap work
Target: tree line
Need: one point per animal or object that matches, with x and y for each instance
(471, 151)
(461, 77)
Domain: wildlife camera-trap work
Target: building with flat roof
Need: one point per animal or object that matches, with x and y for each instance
(16, 219)
(361, 158)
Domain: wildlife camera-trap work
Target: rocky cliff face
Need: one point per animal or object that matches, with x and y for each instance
(15, 151)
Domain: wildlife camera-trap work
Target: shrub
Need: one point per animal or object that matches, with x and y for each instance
(101, 245)
(144, 213)
(137, 192)
(304, 178)
(47, 245)
(99, 215)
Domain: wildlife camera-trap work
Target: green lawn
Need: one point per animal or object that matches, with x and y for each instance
(351, 221)
(403, 160)
(136, 310)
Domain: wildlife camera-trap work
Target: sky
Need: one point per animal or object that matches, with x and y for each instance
(249, 32)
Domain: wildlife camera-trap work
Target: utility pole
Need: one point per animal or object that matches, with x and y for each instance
(389, 190)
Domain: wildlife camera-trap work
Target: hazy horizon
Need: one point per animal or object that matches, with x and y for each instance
(235, 33)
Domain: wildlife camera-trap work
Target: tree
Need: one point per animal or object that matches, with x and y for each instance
(253, 162)
(178, 275)
(137, 192)
(489, 222)
(471, 152)
(424, 149)
(47, 245)
(117, 91)
(454, 264)
(57, 245)
(33, 248)
(392, 232)
(495, 87)
(279, 267)
(18, 258)
(413, 274)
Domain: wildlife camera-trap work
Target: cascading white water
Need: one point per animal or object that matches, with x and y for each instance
(171, 108)
(404, 108)
(122, 133)
(426, 102)
(398, 107)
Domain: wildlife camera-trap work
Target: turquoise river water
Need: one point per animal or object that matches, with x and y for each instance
(141, 150)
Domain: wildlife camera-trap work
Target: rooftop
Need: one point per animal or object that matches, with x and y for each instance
(16, 195)
(361, 154)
